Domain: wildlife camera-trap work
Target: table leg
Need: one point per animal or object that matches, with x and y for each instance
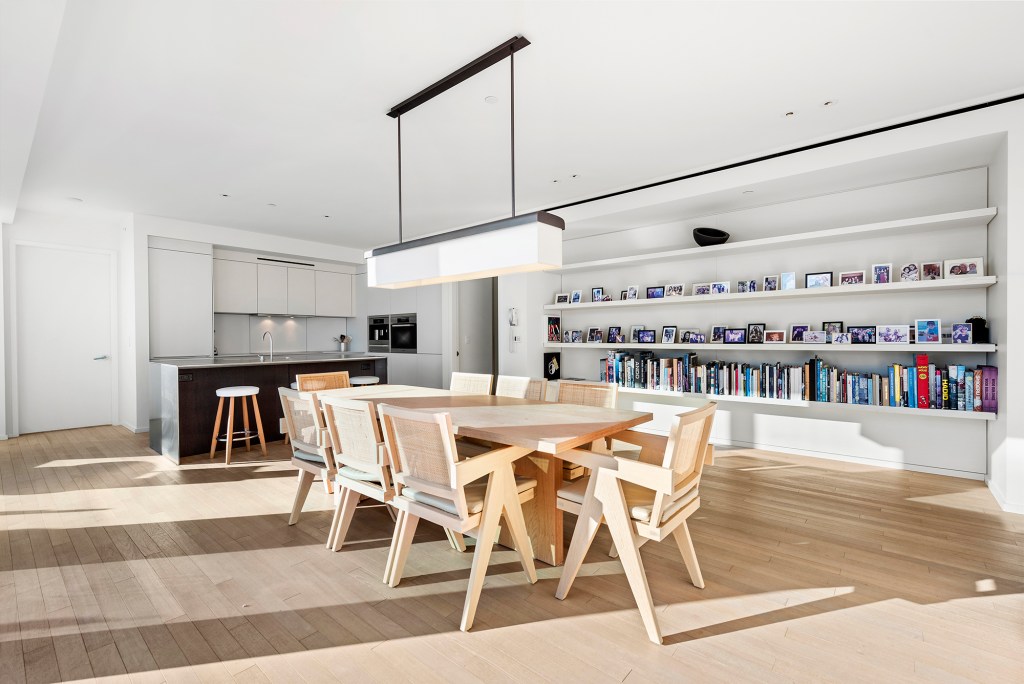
(543, 520)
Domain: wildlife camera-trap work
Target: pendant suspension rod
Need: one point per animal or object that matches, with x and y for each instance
(399, 118)
(512, 125)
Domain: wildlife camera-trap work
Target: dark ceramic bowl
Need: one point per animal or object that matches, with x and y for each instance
(705, 237)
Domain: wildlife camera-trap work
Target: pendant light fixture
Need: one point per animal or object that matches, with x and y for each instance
(518, 244)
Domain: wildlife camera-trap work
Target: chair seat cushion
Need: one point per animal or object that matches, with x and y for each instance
(357, 474)
(239, 391)
(639, 500)
(474, 496)
(310, 458)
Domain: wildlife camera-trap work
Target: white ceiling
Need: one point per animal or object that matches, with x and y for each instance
(160, 106)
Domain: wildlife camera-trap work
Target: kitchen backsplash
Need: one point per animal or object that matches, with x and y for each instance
(243, 334)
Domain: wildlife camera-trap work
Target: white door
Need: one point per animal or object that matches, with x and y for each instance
(64, 310)
(475, 323)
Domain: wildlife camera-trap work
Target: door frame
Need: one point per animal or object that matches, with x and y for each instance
(114, 336)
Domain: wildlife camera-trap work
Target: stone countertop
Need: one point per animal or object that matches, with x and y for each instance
(254, 359)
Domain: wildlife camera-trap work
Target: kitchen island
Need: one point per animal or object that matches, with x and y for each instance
(183, 400)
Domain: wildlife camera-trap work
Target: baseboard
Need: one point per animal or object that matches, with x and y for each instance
(134, 429)
(1000, 496)
(3, 437)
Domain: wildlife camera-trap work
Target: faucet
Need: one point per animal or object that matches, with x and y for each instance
(271, 346)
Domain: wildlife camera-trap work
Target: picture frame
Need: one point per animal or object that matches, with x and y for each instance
(596, 294)
(675, 290)
(770, 283)
(577, 337)
(963, 333)
(615, 334)
(862, 334)
(668, 334)
(656, 292)
(701, 289)
(832, 327)
(646, 336)
(881, 274)
(721, 287)
(717, 334)
(697, 338)
(735, 336)
(622, 295)
(746, 286)
(931, 270)
(819, 279)
(686, 334)
(960, 268)
(566, 337)
(594, 335)
(853, 278)
(841, 338)
(775, 337)
(927, 331)
(634, 333)
(755, 333)
(892, 334)
(797, 330)
(633, 292)
(787, 281)
(554, 328)
(552, 365)
(562, 298)
(576, 297)
(910, 273)
(815, 337)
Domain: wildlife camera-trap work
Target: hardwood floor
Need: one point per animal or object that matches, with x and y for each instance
(115, 563)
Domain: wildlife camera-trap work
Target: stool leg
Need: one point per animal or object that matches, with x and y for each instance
(259, 425)
(245, 421)
(231, 431)
(216, 427)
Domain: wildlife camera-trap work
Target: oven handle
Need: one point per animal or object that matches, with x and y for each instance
(402, 325)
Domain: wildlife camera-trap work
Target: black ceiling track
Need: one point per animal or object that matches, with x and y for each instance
(492, 57)
(795, 150)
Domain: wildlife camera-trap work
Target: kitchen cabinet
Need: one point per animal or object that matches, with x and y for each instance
(180, 303)
(334, 294)
(403, 369)
(428, 319)
(234, 286)
(428, 370)
(403, 300)
(301, 292)
(271, 289)
(378, 300)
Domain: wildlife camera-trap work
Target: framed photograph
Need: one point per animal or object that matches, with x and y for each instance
(577, 297)
(718, 334)
(702, 289)
(910, 273)
(554, 328)
(822, 279)
(668, 334)
(797, 330)
(841, 338)
(861, 334)
(775, 337)
(633, 292)
(634, 333)
(562, 298)
(701, 338)
(552, 365)
(566, 336)
(720, 288)
(815, 337)
(927, 331)
(962, 333)
(622, 295)
(646, 336)
(596, 294)
(931, 270)
(577, 336)
(770, 283)
(615, 334)
(881, 274)
(893, 334)
(787, 281)
(656, 292)
(746, 286)
(852, 278)
(955, 268)
(686, 334)
(675, 290)
(755, 333)
(832, 327)
(735, 336)
(594, 335)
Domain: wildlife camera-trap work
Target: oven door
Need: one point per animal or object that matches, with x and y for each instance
(403, 334)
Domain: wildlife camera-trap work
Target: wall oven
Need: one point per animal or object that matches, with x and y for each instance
(378, 329)
(403, 333)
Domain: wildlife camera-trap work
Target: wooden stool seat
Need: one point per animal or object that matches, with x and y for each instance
(364, 380)
(232, 435)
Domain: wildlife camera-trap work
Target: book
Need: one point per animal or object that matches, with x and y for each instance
(922, 381)
(979, 374)
(990, 389)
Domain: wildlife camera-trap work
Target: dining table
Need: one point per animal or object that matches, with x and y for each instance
(546, 432)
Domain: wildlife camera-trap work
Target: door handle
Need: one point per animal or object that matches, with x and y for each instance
(100, 358)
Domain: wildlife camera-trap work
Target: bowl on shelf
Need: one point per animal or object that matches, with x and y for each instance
(705, 237)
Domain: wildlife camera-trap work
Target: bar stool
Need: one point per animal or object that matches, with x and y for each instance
(360, 380)
(243, 391)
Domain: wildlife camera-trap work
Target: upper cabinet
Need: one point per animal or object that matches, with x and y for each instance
(334, 294)
(234, 286)
(301, 292)
(271, 289)
(180, 301)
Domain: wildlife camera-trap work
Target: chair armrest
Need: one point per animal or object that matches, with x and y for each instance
(475, 467)
(588, 459)
(645, 475)
(709, 455)
(652, 447)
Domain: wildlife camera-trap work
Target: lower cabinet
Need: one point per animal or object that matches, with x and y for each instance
(402, 369)
(428, 370)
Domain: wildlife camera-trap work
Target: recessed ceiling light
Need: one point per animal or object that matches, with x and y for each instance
(271, 204)
(491, 99)
(326, 216)
(828, 103)
(76, 199)
(223, 195)
(555, 181)
(575, 174)
(748, 192)
(789, 114)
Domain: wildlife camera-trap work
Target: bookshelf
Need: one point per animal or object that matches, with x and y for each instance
(789, 346)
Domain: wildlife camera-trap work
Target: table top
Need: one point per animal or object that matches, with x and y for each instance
(536, 425)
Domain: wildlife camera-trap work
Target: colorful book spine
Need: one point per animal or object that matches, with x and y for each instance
(990, 389)
(922, 381)
(969, 393)
(979, 375)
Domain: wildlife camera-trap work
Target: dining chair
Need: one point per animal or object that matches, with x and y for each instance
(648, 499)
(601, 394)
(316, 382)
(310, 442)
(433, 484)
(361, 461)
(471, 383)
(537, 390)
(512, 386)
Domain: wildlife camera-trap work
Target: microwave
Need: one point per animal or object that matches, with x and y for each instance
(403, 333)
(378, 333)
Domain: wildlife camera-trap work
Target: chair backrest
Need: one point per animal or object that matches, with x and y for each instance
(315, 382)
(587, 393)
(423, 453)
(471, 383)
(538, 390)
(512, 386)
(356, 438)
(685, 453)
(305, 423)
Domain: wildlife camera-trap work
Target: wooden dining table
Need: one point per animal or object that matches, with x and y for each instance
(546, 432)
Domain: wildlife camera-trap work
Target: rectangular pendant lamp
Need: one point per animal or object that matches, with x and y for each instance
(530, 242)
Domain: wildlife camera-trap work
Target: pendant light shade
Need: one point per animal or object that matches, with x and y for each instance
(530, 242)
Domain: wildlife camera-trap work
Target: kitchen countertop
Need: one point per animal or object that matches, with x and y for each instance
(254, 359)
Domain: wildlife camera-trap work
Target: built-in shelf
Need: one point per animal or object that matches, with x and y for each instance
(921, 413)
(957, 219)
(789, 346)
(962, 283)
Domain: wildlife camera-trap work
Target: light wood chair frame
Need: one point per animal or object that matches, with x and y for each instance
(537, 390)
(307, 471)
(671, 468)
(601, 394)
(471, 383)
(500, 500)
(515, 386)
(318, 382)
